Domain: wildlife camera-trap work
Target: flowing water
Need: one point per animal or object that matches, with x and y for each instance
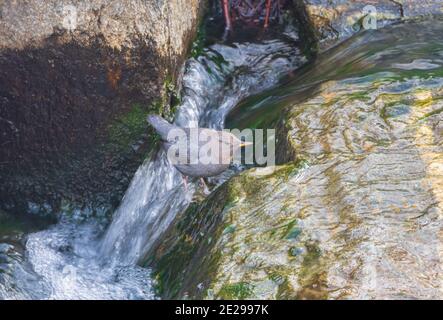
(367, 117)
(77, 259)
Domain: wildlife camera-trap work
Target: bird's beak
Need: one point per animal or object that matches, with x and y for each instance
(245, 144)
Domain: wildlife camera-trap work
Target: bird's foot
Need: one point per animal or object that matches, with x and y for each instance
(226, 34)
(226, 11)
(268, 13)
(185, 182)
(206, 190)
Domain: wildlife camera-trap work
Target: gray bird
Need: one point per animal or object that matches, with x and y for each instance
(192, 162)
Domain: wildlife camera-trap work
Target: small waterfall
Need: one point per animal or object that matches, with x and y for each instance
(213, 84)
(153, 199)
(75, 259)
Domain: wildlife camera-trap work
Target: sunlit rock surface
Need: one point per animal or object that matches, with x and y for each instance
(336, 20)
(163, 24)
(357, 211)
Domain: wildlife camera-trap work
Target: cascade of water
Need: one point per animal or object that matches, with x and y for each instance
(72, 260)
(213, 84)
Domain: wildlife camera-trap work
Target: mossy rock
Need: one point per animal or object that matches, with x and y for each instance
(354, 211)
(215, 251)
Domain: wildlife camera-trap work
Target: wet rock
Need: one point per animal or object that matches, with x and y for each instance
(76, 81)
(333, 21)
(237, 244)
(13, 227)
(356, 211)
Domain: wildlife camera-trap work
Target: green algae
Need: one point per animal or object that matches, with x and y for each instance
(312, 276)
(191, 256)
(287, 230)
(182, 260)
(229, 229)
(432, 113)
(238, 291)
(199, 44)
(128, 128)
(293, 233)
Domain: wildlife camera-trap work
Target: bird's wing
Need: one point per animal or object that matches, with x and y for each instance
(162, 127)
(217, 147)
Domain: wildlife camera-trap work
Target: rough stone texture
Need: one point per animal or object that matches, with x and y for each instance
(339, 19)
(76, 81)
(414, 8)
(358, 211)
(164, 24)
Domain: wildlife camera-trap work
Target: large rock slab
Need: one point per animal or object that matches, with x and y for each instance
(166, 25)
(76, 82)
(357, 212)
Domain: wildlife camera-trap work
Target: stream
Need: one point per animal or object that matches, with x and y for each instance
(81, 258)
(361, 219)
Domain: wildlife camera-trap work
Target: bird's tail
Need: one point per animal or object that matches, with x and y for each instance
(160, 125)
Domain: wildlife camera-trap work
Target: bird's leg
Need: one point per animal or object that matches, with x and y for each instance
(268, 13)
(185, 182)
(227, 14)
(205, 186)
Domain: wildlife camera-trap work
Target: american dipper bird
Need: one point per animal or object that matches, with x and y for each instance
(194, 160)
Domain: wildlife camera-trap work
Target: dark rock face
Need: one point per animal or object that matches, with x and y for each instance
(59, 105)
(76, 82)
(70, 91)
